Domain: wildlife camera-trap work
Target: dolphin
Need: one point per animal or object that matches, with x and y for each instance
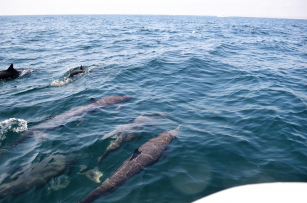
(124, 136)
(95, 174)
(39, 174)
(136, 124)
(148, 154)
(75, 72)
(81, 110)
(70, 115)
(9, 73)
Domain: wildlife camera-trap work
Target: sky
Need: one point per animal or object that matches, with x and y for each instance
(296, 9)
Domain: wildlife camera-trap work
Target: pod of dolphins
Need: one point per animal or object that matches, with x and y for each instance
(11, 73)
(39, 174)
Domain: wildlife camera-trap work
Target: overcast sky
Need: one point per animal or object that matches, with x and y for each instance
(247, 8)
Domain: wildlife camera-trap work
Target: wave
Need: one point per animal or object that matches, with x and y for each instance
(66, 80)
(12, 124)
(60, 82)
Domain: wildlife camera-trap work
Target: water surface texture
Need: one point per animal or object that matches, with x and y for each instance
(236, 85)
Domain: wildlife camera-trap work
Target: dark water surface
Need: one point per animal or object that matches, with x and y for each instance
(236, 85)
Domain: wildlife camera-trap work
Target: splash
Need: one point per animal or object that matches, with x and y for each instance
(25, 72)
(12, 124)
(90, 68)
(60, 82)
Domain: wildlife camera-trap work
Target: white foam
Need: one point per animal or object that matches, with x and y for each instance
(60, 82)
(25, 72)
(90, 68)
(12, 124)
(93, 67)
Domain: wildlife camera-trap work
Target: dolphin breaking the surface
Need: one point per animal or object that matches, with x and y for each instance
(148, 154)
(76, 72)
(9, 73)
(70, 115)
(39, 174)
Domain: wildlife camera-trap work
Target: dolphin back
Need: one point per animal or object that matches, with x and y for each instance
(10, 72)
(114, 99)
(76, 72)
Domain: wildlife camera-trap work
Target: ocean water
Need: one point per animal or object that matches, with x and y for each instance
(236, 85)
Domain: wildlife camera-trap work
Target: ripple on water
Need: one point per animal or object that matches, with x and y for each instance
(236, 85)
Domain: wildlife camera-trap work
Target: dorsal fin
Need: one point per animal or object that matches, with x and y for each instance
(136, 153)
(92, 100)
(11, 68)
(81, 68)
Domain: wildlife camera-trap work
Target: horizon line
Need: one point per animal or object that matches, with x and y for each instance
(218, 16)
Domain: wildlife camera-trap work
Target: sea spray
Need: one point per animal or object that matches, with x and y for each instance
(13, 124)
(60, 82)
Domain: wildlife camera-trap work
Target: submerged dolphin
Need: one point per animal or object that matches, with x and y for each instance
(75, 72)
(39, 174)
(137, 124)
(124, 136)
(71, 115)
(81, 110)
(9, 73)
(148, 154)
